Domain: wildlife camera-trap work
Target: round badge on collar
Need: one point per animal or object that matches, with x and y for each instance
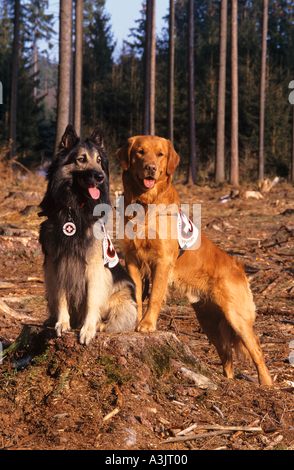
(69, 229)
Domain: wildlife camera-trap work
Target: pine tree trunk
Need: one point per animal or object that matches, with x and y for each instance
(13, 108)
(262, 92)
(221, 100)
(35, 59)
(171, 67)
(64, 69)
(78, 67)
(152, 71)
(234, 166)
(292, 165)
(191, 98)
(72, 84)
(147, 71)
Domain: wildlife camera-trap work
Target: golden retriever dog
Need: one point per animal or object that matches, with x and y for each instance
(214, 282)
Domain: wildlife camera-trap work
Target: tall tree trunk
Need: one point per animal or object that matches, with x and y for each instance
(292, 164)
(234, 164)
(35, 58)
(152, 71)
(262, 91)
(171, 68)
(13, 108)
(64, 69)
(191, 98)
(221, 99)
(72, 85)
(78, 67)
(148, 41)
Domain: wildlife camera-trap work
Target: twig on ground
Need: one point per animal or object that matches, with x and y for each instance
(13, 313)
(196, 436)
(271, 285)
(217, 431)
(217, 410)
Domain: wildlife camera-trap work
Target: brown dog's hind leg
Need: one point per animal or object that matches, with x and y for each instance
(218, 331)
(223, 336)
(251, 342)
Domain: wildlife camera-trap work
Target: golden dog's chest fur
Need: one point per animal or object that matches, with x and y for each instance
(214, 283)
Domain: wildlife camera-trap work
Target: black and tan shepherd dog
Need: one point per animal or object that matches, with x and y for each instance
(84, 290)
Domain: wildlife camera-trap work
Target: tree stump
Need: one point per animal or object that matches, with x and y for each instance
(123, 356)
(121, 392)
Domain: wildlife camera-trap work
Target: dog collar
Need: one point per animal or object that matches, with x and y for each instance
(69, 207)
(45, 214)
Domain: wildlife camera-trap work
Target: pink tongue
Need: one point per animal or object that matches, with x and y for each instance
(94, 193)
(149, 183)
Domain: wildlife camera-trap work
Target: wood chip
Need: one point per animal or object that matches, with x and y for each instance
(111, 414)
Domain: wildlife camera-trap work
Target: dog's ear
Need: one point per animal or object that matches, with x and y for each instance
(97, 137)
(69, 138)
(124, 154)
(173, 159)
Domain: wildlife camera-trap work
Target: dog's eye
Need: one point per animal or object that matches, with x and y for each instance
(160, 154)
(98, 159)
(141, 152)
(82, 159)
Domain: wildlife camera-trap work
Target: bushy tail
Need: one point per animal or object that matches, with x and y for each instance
(121, 314)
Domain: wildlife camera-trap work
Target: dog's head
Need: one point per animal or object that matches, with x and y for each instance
(79, 171)
(149, 159)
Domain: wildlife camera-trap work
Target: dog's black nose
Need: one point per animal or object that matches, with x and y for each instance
(151, 168)
(96, 177)
(99, 177)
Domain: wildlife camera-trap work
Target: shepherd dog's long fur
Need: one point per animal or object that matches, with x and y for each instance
(82, 292)
(213, 282)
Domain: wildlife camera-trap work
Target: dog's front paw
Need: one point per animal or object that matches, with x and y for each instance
(87, 334)
(146, 327)
(62, 327)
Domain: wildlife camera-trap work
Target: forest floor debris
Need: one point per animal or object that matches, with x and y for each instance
(67, 396)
